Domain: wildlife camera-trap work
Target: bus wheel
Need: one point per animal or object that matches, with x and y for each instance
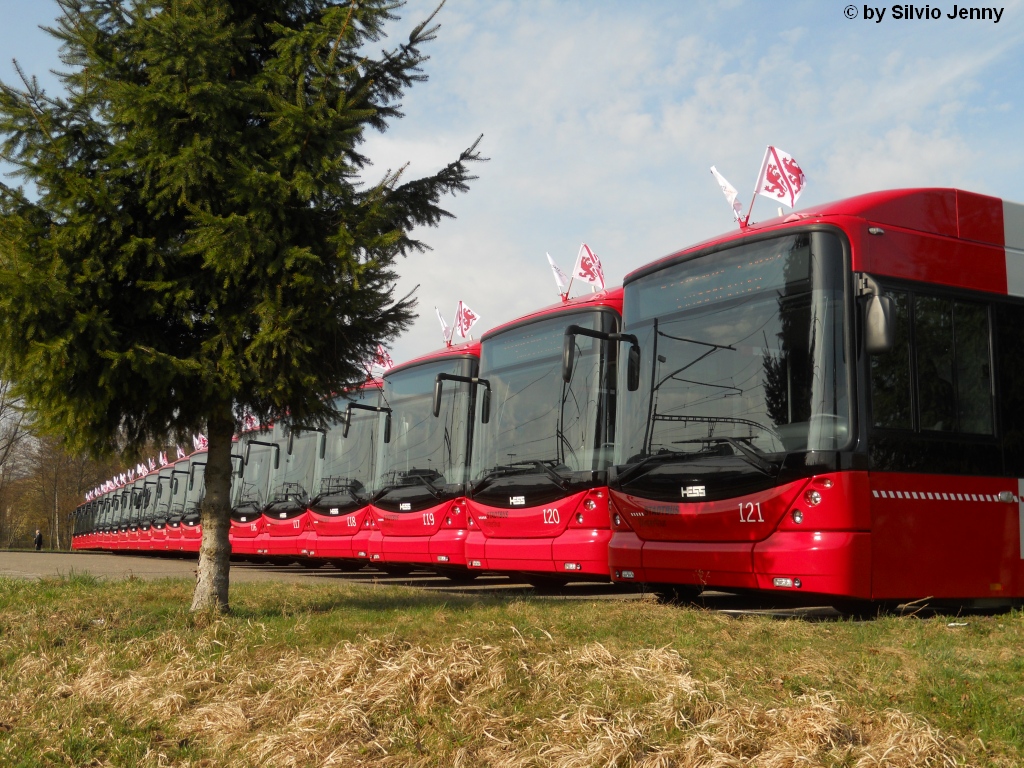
(395, 569)
(676, 594)
(861, 610)
(544, 581)
(348, 566)
(457, 575)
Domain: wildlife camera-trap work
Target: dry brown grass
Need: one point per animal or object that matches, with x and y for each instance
(522, 704)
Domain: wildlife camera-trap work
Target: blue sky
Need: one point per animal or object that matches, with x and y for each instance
(602, 118)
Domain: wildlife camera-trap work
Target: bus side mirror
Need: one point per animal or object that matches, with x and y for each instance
(633, 368)
(174, 487)
(879, 328)
(437, 397)
(248, 449)
(346, 422)
(277, 455)
(387, 424)
(291, 439)
(323, 444)
(568, 353)
(485, 406)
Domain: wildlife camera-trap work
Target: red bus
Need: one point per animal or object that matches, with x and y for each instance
(250, 488)
(134, 508)
(158, 541)
(188, 518)
(148, 509)
(296, 469)
(339, 523)
(538, 499)
(419, 508)
(828, 404)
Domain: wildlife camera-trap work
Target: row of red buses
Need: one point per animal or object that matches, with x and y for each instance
(392, 480)
(821, 405)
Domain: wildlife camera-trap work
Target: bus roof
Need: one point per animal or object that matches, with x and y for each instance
(946, 236)
(466, 349)
(610, 297)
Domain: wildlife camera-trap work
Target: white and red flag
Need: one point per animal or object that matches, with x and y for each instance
(781, 178)
(561, 279)
(152, 464)
(131, 475)
(162, 458)
(199, 442)
(141, 470)
(446, 332)
(465, 319)
(730, 193)
(250, 422)
(383, 359)
(588, 267)
(123, 478)
(180, 452)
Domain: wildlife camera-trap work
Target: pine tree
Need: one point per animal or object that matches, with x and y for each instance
(198, 240)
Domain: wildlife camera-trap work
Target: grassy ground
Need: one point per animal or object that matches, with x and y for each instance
(95, 673)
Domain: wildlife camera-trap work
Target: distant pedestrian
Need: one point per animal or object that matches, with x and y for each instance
(39, 540)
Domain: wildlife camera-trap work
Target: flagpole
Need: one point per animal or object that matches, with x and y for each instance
(757, 185)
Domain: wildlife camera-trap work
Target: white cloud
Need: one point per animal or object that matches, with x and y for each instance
(602, 119)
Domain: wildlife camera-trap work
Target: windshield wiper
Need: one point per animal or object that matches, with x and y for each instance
(495, 472)
(656, 458)
(542, 465)
(520, 468)
(409, 475)
(753, 456)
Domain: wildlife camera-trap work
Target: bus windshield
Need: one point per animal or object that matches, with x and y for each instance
(349, 461)
(425, 450)
(537, 419)
(294, 479)
(196, 486)
(163, 492)
(743, 353)
(252, 490)
(179, 488)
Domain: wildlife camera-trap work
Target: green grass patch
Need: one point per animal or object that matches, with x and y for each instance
(119, 673)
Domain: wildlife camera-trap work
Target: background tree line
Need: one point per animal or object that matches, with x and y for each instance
(41, 480)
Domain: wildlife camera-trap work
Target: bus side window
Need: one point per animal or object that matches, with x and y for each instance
(933, 336)
(973, 368)
(954, 379)
(891, 402)
(1010, 346)
(947, 356)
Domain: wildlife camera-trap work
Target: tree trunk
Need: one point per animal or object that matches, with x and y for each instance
(215, 551)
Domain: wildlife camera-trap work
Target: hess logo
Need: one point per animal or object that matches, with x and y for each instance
(517, 501)
(693, 492)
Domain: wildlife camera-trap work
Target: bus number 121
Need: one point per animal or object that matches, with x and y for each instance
(751, 512)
